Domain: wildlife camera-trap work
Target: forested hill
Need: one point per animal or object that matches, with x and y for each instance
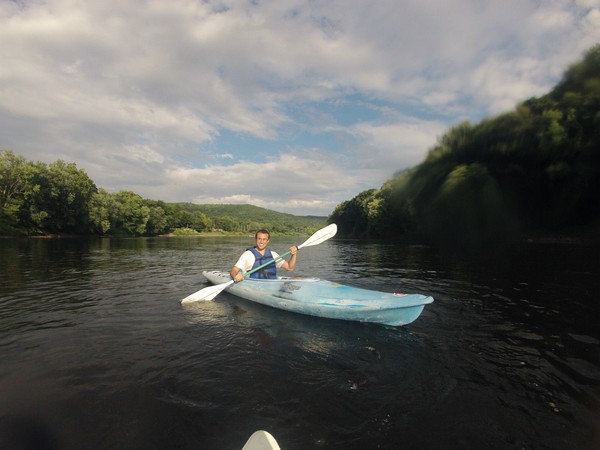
(59, 198)
(251, 218)
(532, 170)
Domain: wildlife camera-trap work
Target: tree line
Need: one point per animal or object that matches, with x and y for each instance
(534, 169)
(58, 198)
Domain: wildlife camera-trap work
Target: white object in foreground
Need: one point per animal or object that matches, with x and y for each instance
(261, 440)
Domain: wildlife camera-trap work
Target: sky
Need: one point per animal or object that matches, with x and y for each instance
(291, 105)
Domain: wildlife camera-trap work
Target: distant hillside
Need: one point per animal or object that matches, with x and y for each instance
(254, 217)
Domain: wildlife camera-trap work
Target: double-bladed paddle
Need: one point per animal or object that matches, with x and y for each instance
(211, 292)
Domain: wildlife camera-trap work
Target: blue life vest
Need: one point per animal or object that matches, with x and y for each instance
(269, 271)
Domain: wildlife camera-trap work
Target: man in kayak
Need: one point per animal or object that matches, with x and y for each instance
(258, 255)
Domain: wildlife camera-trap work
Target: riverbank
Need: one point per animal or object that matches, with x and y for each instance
(589, 234)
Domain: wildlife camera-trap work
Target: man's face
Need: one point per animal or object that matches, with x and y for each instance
(262, 240)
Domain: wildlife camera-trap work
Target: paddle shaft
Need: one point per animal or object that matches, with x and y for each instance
(269, 262)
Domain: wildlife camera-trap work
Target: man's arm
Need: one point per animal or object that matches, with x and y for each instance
(245, 261)
(236, 274)
(291, 264)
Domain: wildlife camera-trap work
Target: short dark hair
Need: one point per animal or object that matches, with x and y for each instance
(263, 231)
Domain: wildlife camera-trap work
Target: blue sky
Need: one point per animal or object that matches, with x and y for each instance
(290, 105)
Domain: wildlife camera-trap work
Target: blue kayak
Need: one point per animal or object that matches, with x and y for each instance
(323, 298)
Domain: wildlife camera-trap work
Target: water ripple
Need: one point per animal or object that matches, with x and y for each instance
(508, 355)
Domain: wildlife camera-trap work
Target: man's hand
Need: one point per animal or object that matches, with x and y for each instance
(238, 277)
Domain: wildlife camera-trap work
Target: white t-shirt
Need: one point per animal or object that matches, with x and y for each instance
(247, 259)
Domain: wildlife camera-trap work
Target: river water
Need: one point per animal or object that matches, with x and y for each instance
(96, 351)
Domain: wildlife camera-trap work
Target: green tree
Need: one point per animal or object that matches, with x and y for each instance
(60, 204)
(356, 217)
(16, 187)
(130, 215)
(157, 221)
(14, 178)
(101, 210)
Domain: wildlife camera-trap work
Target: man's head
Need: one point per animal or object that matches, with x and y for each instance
(262, 238)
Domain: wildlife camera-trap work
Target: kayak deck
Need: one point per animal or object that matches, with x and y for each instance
(323, 298)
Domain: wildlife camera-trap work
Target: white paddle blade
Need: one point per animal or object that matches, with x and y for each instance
(206, 294)
(320, 236)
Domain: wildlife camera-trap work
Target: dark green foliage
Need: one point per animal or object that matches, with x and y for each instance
(352, 216)
(534, 169)
(37, 198)
(62, 198)
(16, 175)
(469, 208)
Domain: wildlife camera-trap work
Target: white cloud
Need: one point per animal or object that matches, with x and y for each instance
(588, 3)
(185, 100)
(392, 147)
(300, 184)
